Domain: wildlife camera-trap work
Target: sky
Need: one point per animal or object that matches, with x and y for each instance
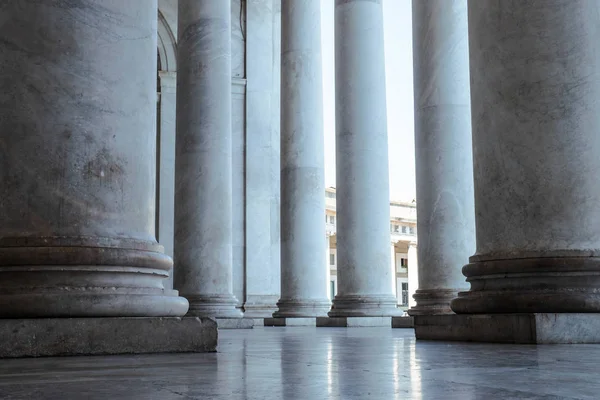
(399, 85)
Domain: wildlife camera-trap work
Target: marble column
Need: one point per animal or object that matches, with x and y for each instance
(262, 270)
(444, 162)
(166, 165)
(203, 160)
(363, 208)
(535, 86)
(77, 155)
(303, 283)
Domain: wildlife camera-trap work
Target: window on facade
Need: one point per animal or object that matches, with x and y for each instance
(330, 195)
(396, 228)
(412, 230)
(332, 259)
(332, 219)
(332, 288)
(404, 229)
(404, 293)
(404, 262)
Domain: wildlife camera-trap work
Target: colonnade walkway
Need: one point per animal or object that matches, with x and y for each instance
(316, 363)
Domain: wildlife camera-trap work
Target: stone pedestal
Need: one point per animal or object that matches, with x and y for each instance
(303, 286)
(203, 161)
(77, 155)
(363, 209)
(444, 163)
(50, 337)
(403, 322)
(535, 91)
(526, 328)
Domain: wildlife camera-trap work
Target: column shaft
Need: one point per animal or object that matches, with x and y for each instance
(263, 283)
(203, 163)
(535, 86)
(302, 163)
(166, 165)
(444, 162)
(363, 207)
(77, 155)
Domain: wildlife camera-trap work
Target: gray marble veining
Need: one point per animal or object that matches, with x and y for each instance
(444, 162)
(203, 159)
(362, 170)
(534, 91)
(77, 155)
(262, 266)
(314, 364)
(303, 282)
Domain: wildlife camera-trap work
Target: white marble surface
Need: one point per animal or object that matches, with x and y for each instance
(444, 161)
(166, 166)
(535, 128)
(275, 167)
(316, 363)
(262, 272)
(203, 178)
(78, 161)
(303, 286)
(534, 91)
(363, 230)
(238, 173)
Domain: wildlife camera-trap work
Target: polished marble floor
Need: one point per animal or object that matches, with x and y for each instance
(317, 363)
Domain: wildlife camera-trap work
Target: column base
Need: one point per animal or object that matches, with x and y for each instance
(307, 321)
(403, 322)
(556, 282)
(433, 301)
(364, 306)
(260, 306)
(354, 322)
(48, 337)
(536, 328)
(68, 277)
(235, 323)
(302, 308)
(213, 306)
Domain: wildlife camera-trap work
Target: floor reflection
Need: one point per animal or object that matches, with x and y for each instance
(314, 364)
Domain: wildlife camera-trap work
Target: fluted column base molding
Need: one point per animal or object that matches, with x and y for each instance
(433, 301)
(551, 283)
(49, 337)
(60, 276)
(524, 328)
(214, 306)
(365, 306)
(290, 308)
